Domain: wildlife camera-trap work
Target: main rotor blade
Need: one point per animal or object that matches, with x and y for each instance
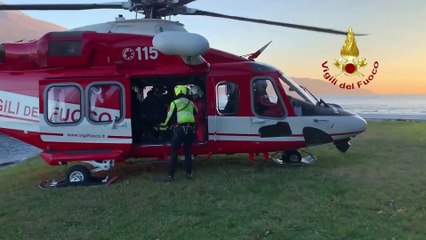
(174, 8)
(6, 7)
(282, 24)
(184, 2)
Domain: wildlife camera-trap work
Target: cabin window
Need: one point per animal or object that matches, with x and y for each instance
(228, 98)
(63, 104)
(266, 101)
(105, 103)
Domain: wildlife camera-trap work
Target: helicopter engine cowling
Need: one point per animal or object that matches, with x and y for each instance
(189, 46)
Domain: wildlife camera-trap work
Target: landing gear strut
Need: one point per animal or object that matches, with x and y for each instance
(81, 175)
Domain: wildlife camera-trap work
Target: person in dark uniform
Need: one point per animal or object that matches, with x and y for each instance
(181, 115)
(153, 112)
(136, 115)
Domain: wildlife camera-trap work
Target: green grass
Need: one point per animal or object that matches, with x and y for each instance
(374, 191)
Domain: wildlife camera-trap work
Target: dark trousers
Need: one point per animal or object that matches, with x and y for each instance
(185, 135)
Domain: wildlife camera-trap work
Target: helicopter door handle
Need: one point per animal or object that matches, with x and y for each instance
(114, 124)
(258, 120)
(321, 120)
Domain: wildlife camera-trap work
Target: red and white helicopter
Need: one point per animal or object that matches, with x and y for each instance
(78, 94)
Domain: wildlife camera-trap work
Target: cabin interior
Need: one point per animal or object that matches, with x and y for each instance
(150, 99)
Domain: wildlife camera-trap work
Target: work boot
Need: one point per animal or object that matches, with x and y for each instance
(168, 178)
(189, 176)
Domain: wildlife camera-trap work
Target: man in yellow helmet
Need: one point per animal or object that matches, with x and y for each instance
(182, 111)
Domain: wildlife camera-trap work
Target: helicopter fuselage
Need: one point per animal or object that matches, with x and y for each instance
(77, 95)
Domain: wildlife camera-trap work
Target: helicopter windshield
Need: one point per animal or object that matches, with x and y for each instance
(293, 90)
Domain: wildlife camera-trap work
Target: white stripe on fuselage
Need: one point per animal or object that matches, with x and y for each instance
(233, 128)
(19, 112)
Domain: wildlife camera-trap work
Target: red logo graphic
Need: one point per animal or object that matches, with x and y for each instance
(349, 65)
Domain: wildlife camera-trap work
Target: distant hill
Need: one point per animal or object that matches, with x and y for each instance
(16, 26)
(324, 88)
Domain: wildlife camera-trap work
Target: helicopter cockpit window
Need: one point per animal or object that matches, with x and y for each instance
(299, 97)
(63, 104)
(228, 98)
(105, 103)
(293, 90)
(266, 102)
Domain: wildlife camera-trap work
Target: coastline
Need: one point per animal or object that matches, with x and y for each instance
(13, 151)
(394, 117)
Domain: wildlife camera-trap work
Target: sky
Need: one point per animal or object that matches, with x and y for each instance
(396, 35)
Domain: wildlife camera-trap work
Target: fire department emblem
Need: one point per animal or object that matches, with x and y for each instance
(350, 63)
(128, 54)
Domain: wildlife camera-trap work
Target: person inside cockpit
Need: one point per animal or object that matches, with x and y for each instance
(262, 102)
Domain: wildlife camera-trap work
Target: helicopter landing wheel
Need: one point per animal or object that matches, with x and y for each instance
(292, 156)
(78, 174)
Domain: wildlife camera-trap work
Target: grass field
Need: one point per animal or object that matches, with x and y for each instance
(377, 190)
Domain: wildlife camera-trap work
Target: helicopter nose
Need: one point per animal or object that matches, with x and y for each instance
(358, 125)
(361, 124)
(353, 125)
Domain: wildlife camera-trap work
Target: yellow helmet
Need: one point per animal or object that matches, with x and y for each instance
(181, 89)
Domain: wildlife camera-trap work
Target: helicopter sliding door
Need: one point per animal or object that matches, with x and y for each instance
(268, 109)
(249, 112)
(84, 111)
(229, 124)
(150, 100)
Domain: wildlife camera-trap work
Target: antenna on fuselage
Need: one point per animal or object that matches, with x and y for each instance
(252, 56)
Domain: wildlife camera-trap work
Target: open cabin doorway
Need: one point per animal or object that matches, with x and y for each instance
(150, 100)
